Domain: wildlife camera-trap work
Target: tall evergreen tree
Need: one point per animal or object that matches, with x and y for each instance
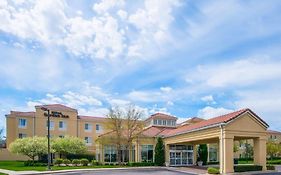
(159, 152)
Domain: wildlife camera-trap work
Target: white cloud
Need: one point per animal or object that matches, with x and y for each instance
(122, 14)
(106, 5)
(209, 112)
(119, 102)
(238, 73)
(209, 99)
(166, 89)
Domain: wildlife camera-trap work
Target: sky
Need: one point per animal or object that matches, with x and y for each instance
(186, 58)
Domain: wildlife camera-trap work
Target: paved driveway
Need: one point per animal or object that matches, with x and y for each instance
(130, 172)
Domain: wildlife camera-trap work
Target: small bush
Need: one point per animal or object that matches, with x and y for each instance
(84, 162)
(212, 170)
(90, 157)
(244, 168)
(76, 162)
(34, 163)
(58, 161)
(66, 161)
(95, 163)
(270, 167)
(274, 162)
(133, 164)
(212, 163)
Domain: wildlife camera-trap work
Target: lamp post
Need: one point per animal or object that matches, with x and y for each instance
(48, 125)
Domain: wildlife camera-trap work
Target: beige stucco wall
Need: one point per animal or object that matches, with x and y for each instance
(5, 154)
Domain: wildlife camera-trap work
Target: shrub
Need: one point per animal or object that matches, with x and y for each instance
(66, 161)
(244, 168)
(90, 157)
(76, 162)
(34, 163)
(159, 152)
(133, 164)
(95, 162)
(270, 167)
(212, 170)
(58, 161)
(274, 162)
(84, 162)
(212, 163)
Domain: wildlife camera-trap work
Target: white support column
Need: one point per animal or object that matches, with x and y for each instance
(167, 155)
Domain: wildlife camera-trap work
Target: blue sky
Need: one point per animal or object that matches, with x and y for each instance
(187, 58)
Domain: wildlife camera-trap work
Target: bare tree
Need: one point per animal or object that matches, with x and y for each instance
(124, 126)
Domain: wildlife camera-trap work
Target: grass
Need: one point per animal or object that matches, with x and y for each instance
(245, 162)
(3, 174)
(19, 166)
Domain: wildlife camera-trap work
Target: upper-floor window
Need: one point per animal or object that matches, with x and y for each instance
(22, 123)
(21, 135)
(62, 125)
(155, 122)
(164, 122)
(88, 140)
(88, 127)
(173, 123)
(159, 122)
(98, 128)
(169, 122)
(52, 125)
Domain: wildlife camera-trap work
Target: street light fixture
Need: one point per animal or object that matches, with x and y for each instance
(48, 125)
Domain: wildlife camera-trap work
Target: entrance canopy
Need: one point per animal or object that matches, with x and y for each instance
(242, 124)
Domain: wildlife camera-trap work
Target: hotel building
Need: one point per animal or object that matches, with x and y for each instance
(181, 140)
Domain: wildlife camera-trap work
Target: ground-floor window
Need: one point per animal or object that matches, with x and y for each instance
(147, 153)
(110, 153)
(213, 154)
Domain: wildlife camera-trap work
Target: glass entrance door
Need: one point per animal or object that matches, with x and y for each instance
(181, 157)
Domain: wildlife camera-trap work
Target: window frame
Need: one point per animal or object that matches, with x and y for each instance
(20, 123)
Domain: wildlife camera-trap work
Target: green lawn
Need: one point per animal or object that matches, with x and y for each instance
(245, 162)
(19, 166)
(3, 174)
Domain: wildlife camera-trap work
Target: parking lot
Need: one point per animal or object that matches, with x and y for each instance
(130, 172)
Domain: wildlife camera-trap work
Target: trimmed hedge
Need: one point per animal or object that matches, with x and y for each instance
(66, 161)
(212, 170)
(244, 168)
(95, 163)
(212, 163)
(76, 162)
(133, 164)
(58, 161)
(90, 157)
(34, 163)
(270, 167)
(274, 162)
(84, 162)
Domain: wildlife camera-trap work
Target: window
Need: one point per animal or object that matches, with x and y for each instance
(110, 153)
(169, 123)
(22, 123)
(147, 153)
(61, 136)
(275, 137)
(159, 122)
(98, 128)
(173, 123)
(88, 141)
(21, 135)
(52, 125)
(88, 127)
(62, 125)
(155, 122)
(164, 122)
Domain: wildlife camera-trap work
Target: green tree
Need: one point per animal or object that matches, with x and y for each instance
(249, 150)
(203, 153)
(272, 149)
(68, 145)
(30, 146)
(159, 152)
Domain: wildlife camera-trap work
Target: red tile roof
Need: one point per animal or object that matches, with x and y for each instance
(24, 114)
(154, 131)
(161, 116)
(58, 107)
(213, 121)
(273, 132)
(91, 118)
